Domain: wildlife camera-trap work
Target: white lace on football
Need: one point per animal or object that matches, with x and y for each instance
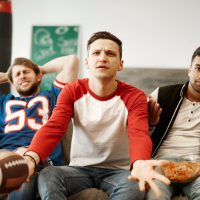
(14, 163)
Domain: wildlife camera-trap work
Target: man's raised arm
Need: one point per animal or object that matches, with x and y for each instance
(66, 67)
(3, 77)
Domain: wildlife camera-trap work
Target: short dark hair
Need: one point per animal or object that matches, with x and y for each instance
(25, 62)
(196, 53)
(105, 35)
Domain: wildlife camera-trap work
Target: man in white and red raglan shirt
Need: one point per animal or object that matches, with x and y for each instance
(110, 132)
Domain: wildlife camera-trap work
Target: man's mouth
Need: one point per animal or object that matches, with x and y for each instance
(24, 83)
(102, 67)
(198, 81)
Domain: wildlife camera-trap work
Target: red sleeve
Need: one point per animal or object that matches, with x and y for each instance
(47, 137)
(139, 137)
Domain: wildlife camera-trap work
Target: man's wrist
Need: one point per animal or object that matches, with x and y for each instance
(30, 159)
(34, 155)
(137, 162)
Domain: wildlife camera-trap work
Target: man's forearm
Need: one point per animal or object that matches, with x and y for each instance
(55, 65)
(3, 77)
(66, 66)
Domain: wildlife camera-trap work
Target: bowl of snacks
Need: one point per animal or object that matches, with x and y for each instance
(183, 170)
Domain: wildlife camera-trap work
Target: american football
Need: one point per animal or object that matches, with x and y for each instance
(13, 171)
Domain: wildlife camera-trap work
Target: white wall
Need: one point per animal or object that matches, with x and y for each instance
(155, 33)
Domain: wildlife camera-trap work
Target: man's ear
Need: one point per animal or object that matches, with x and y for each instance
(189, 70)
(39, 77)
(86, 63)
(121, 66)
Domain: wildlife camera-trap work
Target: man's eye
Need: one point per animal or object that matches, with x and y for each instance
(110, 53)
(198, 69)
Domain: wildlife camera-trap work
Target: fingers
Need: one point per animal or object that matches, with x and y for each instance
(162, 178)
(163, 162)
(146, 185)
(21, 150)
(154, 111)
(142, 185)
(150, 98)
(144, 172)
(151, 104)
(158, 176)
(155, 188)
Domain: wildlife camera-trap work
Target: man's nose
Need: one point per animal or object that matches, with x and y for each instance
(102, 57)
(22, 75)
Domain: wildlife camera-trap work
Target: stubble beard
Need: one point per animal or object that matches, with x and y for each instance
(32, 90)
(195, 87)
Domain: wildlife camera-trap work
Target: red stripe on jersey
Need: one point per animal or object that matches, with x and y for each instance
(58, 84)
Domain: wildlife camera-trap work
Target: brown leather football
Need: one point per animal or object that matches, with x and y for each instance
(183, 171)
(13, 171)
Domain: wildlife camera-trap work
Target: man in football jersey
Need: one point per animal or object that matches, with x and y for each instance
(21, 116)
(110, 132)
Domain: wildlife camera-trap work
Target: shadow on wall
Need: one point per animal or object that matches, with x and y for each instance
(148, 79)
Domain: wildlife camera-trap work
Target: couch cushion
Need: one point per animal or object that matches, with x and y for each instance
(90, 194)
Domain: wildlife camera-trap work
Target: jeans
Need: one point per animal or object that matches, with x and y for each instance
(190, 189)
(28, 191)
(60, 182)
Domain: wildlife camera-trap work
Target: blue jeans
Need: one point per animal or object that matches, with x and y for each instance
(190, 189)
(60, 182)
(27, 191)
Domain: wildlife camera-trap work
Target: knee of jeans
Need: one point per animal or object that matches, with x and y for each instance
(166, 192)
(195, 192)
(126, 192)
(47, 170)
(165, 195)
(47, 173)
(47, 180)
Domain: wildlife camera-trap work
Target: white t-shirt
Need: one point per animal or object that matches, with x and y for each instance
(183, 139)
